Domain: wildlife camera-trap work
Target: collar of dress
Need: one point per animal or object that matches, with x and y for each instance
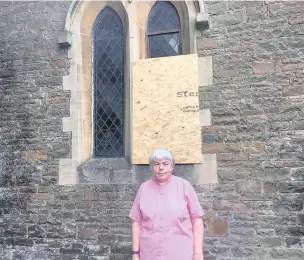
(164, 183)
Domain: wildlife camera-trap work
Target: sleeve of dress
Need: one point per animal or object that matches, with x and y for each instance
(194, 206)
(135, 213)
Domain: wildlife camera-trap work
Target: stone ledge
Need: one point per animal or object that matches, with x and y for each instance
(119, 171)
(105, 171)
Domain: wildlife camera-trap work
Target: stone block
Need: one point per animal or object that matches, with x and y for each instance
(289, 203)
(91, 195)
(255, 14)
(248, 187)
(205, 117)
(269, 187)
(278, 9)
(227, 19)
(202, 21)
(297, 231)
(265, 232)
(65, 40)
(293, 90)
(293, 66)
(243, 252)
(105, 171)
(205, 71)
(67, 172)
(222, 250)
(300, 219)
(224, 73)
(207, 43)
(98, 258)
(263, 67)
(35, 231)
(217, 227)
(92, 249)
(297, 174)
(253, 147)
(42, 196)
(271, 241)
(87, 234)
(70, 251)
(216, 8)
(294, 187)
(293, 241)
(221, 148)
(36, 155)
(225, 205)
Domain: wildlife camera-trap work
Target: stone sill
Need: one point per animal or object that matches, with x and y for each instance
(119, 171)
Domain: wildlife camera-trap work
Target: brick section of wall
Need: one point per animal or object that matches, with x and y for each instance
(257, 110)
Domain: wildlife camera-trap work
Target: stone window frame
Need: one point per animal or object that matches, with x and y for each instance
(77, 34)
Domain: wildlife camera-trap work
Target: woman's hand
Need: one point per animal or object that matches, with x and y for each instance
(135, 257)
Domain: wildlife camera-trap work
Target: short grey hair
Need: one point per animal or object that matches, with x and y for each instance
(161, 154)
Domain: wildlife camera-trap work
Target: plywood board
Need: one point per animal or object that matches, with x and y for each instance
(165, 108)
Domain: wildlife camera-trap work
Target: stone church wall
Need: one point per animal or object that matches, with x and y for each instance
(255, 211)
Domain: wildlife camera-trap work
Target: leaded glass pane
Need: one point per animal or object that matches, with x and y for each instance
(163, 31)
(108, 60)
(164, 45)
(163, 17)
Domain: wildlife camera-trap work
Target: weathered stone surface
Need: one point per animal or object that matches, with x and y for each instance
(295, 187)
(255, 211)
(217, 227)
(263, 67)
(228, 19)
(301, 218)
(225, 205)
(296, 254)
(207, 43)
(293, 241)
(289, 203)
(248, 187)
(269, 187)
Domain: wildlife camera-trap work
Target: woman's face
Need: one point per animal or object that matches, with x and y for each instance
(162, 170)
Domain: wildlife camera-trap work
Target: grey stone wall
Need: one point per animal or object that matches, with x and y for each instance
(257, 108)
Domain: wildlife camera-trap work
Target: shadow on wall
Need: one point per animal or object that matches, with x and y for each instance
(15, 130)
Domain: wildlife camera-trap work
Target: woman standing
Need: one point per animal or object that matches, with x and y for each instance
(167, 216)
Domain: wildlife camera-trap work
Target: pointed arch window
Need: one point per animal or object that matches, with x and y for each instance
(163, 31)
(108, 84)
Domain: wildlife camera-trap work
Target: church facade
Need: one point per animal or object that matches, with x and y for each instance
(80, 113)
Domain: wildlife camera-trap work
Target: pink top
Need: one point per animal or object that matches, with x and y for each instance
(164, 212)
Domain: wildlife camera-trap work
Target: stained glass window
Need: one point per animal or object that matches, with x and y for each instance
(163, 32)
(108, 82)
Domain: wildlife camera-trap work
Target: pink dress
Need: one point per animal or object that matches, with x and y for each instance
(164, 213)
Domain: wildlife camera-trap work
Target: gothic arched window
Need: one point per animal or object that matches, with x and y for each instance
(163, 32)
(108, 84)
